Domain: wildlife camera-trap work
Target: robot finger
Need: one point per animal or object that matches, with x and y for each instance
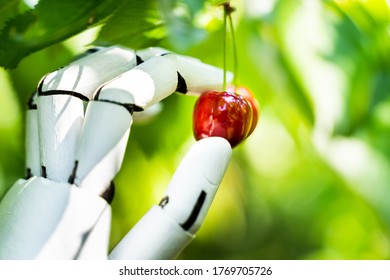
(101, 148)
(168, 228)
(158, 77)
(61, 96)
(195, 76)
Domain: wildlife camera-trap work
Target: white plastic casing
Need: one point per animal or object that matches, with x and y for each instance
(86, 74)
(60, 121)
(40, 219)
(155, 236)
(198, 76)
(146, 84)
(197, 178)
(102, 145)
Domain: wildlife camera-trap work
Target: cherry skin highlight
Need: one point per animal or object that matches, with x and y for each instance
(223, 114)
(247, 93)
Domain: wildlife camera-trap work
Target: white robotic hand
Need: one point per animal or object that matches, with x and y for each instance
(61, 210)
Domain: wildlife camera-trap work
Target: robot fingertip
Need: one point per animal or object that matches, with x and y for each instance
(215, 153)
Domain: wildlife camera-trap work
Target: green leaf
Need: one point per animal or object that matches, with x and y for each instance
(142, 24)
(8, 9)
(134, 24)
(49, 23)
(178, 17)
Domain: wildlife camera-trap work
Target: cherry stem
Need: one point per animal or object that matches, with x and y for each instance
(235, 57)
(225, 13)
(228, 10)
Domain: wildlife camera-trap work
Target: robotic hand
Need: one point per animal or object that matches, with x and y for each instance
(62, 209)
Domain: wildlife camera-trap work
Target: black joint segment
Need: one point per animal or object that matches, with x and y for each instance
(84, 238)
(92, 50)
(98, 92)
(164, 54)
(72, 176)
(139, 60)
(164, 201)
(30, 104)
(58, 92)
(129, 107)
(28, 173)
(84, 54)
(109, 193)
(195, 212)
(40, 84)
(181, 84)
(137, 108)
(63, 92)
(43, 171)
(133, 108)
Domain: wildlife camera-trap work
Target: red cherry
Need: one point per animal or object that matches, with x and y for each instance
(247, 93)
(223, 114)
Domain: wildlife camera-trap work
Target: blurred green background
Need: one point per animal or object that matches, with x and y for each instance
(313, 180)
